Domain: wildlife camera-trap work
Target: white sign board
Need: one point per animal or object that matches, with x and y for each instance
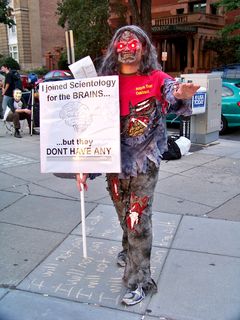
(80, 125)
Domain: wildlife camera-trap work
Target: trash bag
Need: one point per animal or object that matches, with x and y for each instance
(184, 145)
(173, 152)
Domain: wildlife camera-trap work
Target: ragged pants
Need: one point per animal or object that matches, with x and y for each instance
(133, 199)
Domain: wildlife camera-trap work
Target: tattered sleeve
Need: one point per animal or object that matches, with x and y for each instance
(174, 105)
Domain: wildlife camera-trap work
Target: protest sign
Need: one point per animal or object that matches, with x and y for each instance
(80, 124)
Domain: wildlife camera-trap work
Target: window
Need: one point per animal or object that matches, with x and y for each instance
(180, 11)
(57, 74)
(197, 7)
(13, 50)
(12, 30)
(213, 9)
(226, 92)
(49, 75)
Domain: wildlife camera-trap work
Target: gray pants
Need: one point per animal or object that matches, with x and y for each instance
(133, 199)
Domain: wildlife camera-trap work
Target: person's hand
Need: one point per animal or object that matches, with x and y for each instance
(81, 180)
(27, 111)
(185, 90)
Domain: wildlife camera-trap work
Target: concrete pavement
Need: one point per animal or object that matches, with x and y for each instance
(196, 248)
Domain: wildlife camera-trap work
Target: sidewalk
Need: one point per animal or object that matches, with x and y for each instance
(196, 248)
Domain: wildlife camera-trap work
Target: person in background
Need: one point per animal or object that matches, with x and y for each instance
(146, 95)
(19, 111)
(7, 89)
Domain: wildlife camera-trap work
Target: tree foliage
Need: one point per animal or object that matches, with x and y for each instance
(12, 63)
(5, 13)
(228, 6)
(227, 45)
(89, 21)
(227, 49)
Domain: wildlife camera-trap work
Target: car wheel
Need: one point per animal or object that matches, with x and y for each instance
(224, 125)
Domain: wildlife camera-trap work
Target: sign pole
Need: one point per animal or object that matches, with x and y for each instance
(70, 46)
(71, 59)
(84, 238)
(164, 55)
(32, 103)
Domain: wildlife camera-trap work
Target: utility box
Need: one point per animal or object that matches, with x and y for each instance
(204, 127)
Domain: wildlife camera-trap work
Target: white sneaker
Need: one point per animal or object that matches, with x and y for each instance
(133, 297)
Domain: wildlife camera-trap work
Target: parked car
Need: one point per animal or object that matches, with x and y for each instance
(24, 79)
(229, 71)
(56, 75)
(25, 83)
(230, 114)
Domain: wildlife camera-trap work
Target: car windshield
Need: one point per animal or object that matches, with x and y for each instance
(48, 75)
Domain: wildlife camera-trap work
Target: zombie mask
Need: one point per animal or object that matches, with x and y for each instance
(129, 48)
(17, 95)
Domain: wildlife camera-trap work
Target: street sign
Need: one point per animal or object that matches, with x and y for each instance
(164, 56)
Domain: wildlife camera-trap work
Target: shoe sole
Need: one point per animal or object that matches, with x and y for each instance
(132, 303)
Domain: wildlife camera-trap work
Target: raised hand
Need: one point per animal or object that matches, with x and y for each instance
(185, 90)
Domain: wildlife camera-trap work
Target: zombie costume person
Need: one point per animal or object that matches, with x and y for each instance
(146, 95)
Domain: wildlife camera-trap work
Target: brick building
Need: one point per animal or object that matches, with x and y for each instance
(180, 28)
(36, 35)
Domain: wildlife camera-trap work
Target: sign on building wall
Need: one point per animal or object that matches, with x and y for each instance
(164, 56)
(80, 125)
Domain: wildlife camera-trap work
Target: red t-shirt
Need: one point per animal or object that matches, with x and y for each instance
(137, 88)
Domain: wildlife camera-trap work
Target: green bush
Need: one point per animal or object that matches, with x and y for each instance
(39, 71)
(63, 63)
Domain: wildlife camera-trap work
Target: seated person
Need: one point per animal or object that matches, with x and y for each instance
(19, 111)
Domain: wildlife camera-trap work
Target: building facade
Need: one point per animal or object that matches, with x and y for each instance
(180, 28)
(36, 36)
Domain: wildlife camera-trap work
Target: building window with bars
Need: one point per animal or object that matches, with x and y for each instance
(13, 50)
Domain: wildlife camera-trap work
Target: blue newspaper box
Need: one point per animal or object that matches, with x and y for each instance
(199, 101)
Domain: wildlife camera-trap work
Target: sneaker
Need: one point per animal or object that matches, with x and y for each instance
(133, 297)
(17, 134)
(121, 258)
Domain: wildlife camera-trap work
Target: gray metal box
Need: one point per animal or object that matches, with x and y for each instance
(205, 127)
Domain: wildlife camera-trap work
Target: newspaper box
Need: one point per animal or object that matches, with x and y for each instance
(199, 101)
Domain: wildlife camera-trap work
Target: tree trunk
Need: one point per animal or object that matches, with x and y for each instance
(146, 16)
(142, 16)
(136, 17)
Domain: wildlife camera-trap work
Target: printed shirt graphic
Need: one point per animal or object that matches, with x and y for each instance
(136, 88)
(144, 102)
